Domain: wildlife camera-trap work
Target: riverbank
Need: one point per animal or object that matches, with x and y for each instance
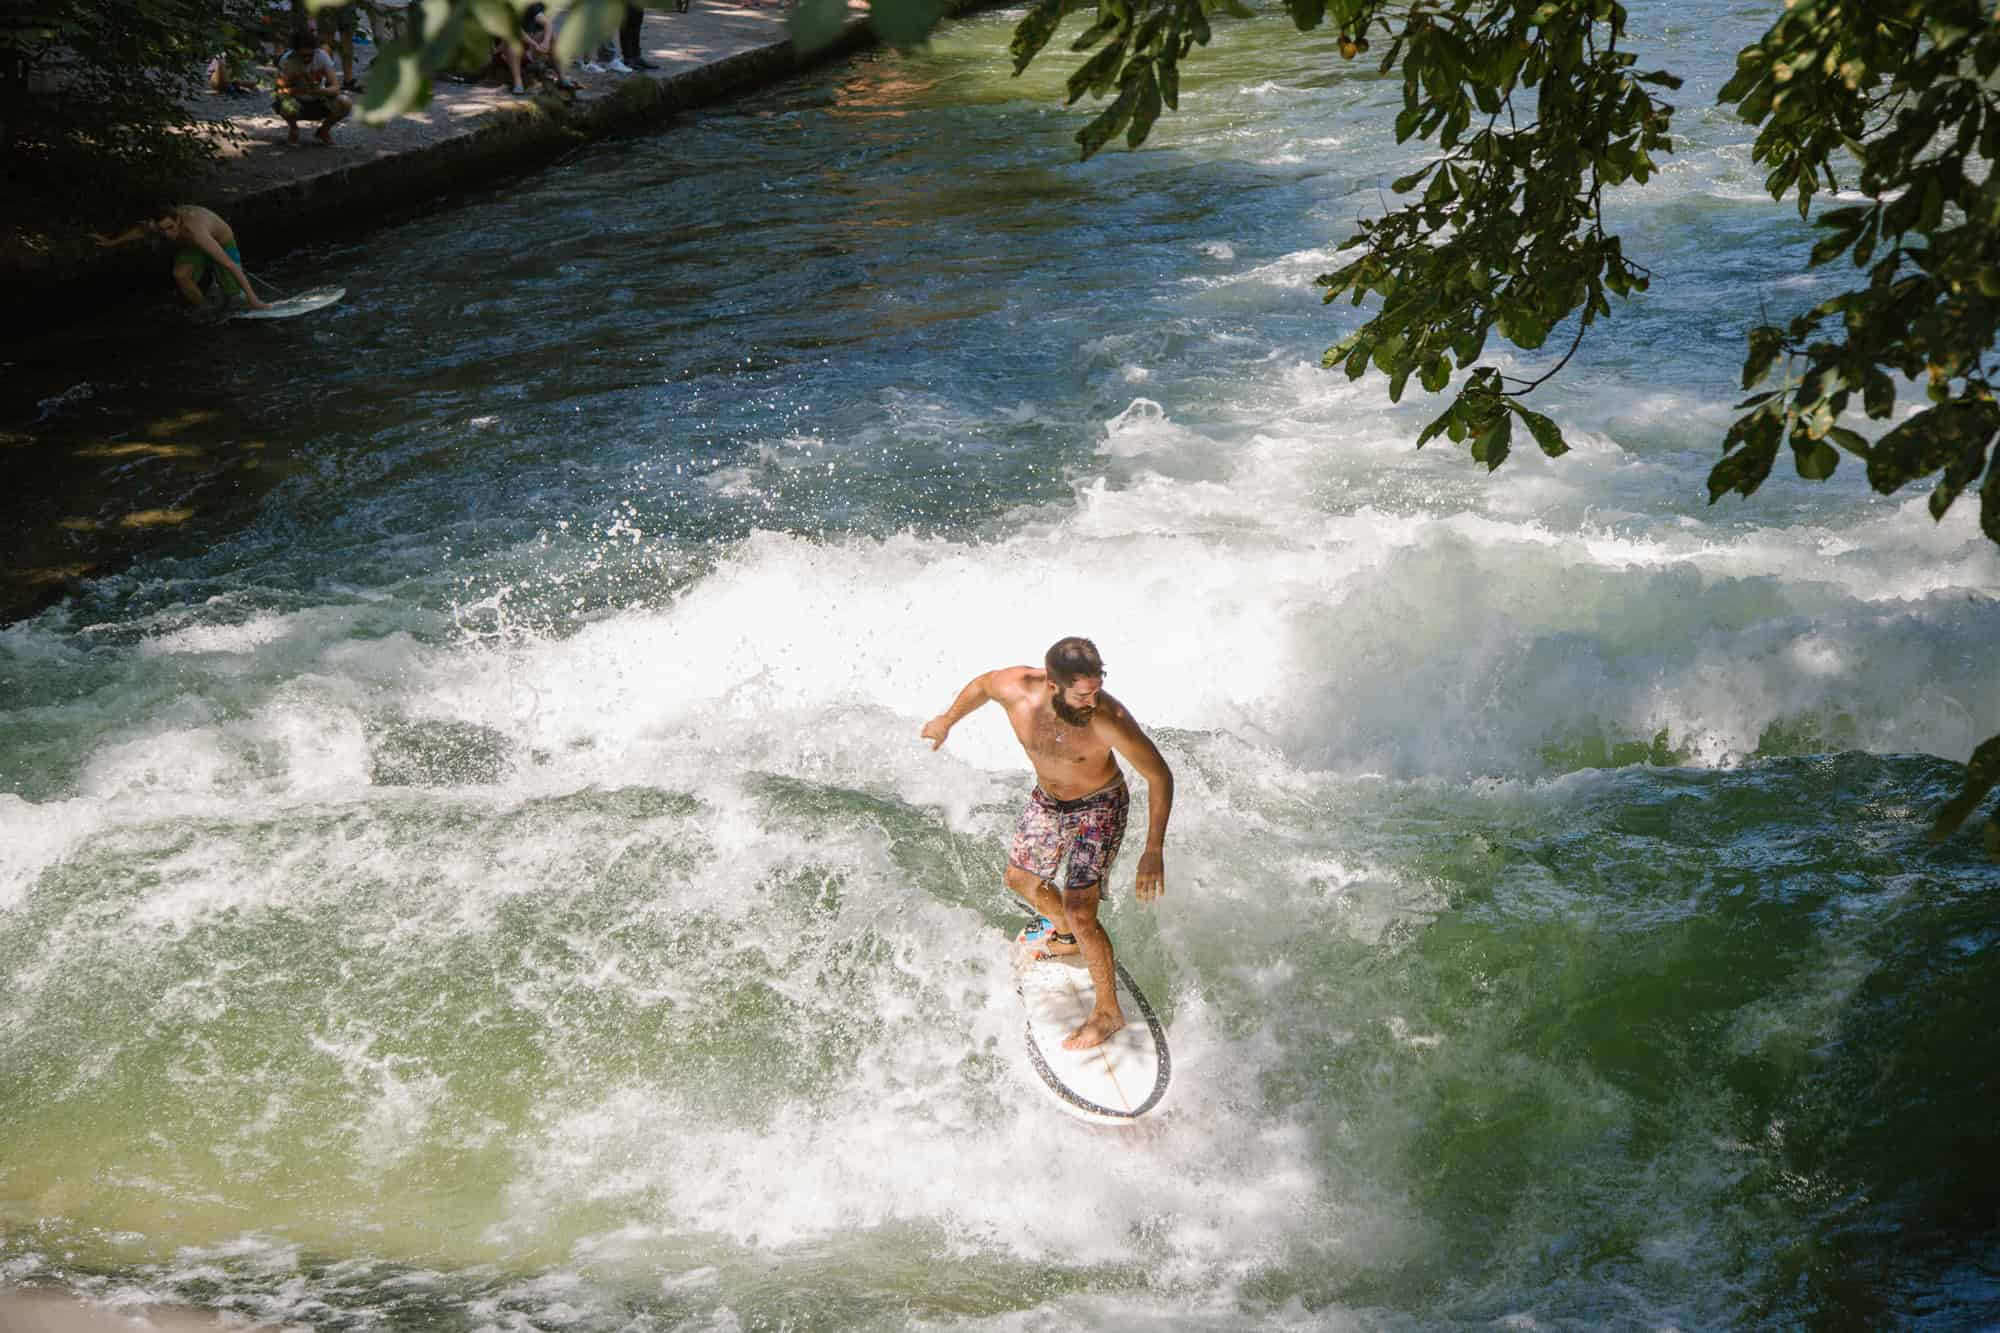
(277, 195)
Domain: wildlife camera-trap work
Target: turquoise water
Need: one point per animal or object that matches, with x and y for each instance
(482, 873)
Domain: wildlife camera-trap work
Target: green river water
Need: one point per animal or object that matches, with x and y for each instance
(478, 871)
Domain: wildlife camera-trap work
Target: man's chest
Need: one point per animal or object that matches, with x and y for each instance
(1050, 740)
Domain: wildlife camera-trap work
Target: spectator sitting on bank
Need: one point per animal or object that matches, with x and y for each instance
(309, 89)
(208, 257)
(538, 32)
(535, 57)
(231, 73)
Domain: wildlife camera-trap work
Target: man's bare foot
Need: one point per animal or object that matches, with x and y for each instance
(1096, 1030)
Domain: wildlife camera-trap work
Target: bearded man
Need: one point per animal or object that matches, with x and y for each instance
(1075, 818)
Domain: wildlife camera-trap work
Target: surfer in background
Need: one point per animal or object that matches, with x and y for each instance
(208, 253)
(1069, 726)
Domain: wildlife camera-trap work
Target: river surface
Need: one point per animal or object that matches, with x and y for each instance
(482, 873)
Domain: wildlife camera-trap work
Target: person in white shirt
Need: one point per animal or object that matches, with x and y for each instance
(309, 89)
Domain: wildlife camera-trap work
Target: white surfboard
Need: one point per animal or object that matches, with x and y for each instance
(317, 299)
(1111, 1084)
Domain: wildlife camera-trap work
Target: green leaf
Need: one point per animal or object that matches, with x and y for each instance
(1491, 445)
(1437, 425)
(1146, 111)
(1766, 341)
(1340, 351)
(1109, 121)
(1306, 14)
(1548, 436)
(1930, 440)
(1095, 33)
(1404, 184)
(498, 18)
(1980, 776)
(1094, 76)
(396, 84)
(1878, 394)
(1815, 459)
(586, 25)
(905, 23)
(1032, 33)
(816, 23)
(1754, 442)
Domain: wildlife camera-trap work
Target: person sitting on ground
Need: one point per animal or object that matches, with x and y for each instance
(208, 257)
(229, 72)
(309, 89)
(535, 56)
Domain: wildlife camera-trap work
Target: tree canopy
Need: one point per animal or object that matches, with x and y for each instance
(1536, 107)
(95, 96)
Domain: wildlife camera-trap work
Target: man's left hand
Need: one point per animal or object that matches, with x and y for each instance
(1152, 876)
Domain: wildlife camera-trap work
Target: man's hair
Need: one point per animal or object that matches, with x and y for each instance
(1072, 657)
(303, 39)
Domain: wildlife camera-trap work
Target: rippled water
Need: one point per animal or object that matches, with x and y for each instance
(480, 871)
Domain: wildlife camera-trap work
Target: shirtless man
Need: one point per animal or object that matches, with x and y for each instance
(208, 252)
(1069, 727)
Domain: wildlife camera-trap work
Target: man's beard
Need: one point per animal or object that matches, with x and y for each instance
(1075, 717)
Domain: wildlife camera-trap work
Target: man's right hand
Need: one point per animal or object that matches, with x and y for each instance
(936, 730)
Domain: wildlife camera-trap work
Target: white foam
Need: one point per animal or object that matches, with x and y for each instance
(218, 638)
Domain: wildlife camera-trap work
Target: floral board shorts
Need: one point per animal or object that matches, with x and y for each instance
(1089, 830)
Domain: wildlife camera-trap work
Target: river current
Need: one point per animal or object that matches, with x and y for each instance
(483, 873)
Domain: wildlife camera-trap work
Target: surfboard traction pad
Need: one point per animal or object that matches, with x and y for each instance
(1024, 943)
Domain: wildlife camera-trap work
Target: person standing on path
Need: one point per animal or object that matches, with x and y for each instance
(1076, 814)
(628, 38)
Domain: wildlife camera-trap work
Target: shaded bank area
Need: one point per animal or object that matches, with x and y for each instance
(85, 501)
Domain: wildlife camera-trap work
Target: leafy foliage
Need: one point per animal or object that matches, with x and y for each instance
(1537, 107)
(95, 98)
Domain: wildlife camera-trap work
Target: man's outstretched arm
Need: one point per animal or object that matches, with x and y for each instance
(977, 691)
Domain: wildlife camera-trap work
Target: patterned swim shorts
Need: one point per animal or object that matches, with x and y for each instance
(1089, 830)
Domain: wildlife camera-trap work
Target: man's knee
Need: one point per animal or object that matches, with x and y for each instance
(1081, 905)
(1020, 881)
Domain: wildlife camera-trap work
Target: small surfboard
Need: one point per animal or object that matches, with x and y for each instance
(1111, 1084)
(304, 303)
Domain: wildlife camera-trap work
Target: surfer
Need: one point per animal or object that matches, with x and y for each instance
(1069, 727)
(208, 252)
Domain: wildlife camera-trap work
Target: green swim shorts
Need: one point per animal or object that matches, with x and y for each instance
(207, 271)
